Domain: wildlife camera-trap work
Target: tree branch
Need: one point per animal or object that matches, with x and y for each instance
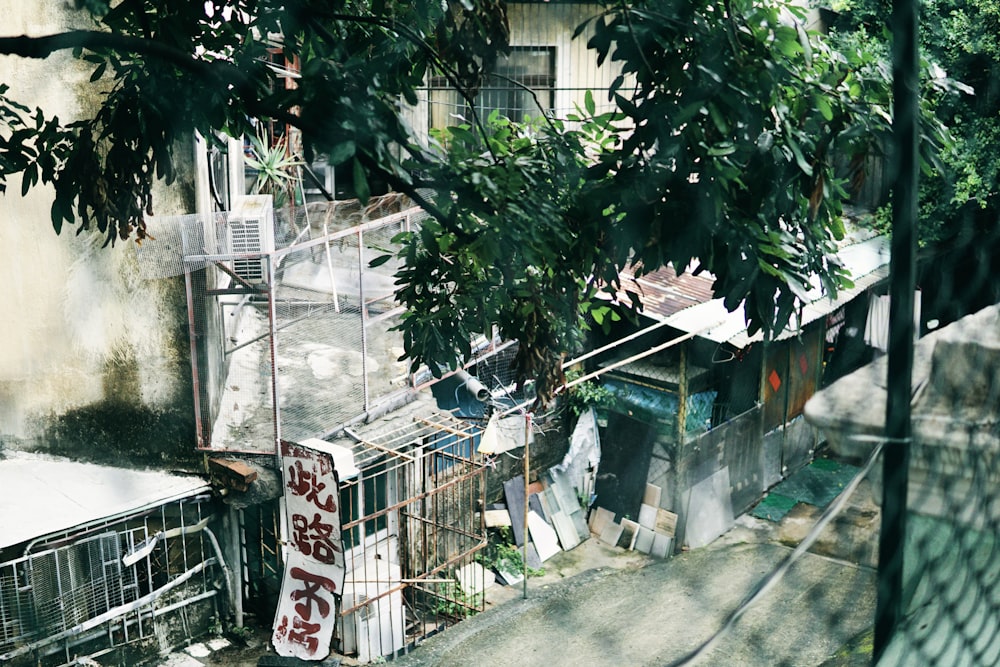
(45, 45)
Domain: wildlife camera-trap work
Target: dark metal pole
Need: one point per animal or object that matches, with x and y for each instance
(892, 538)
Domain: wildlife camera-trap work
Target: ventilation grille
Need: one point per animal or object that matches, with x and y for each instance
(250, 231)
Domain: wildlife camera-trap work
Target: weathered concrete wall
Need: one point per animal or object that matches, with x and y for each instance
(91, 356)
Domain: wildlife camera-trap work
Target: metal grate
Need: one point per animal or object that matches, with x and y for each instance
(78, 596)
(410, 537)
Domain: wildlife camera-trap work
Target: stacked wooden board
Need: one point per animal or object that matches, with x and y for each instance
(653, 533)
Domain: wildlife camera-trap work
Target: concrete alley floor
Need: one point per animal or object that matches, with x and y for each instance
(657, 613)
(599, 605)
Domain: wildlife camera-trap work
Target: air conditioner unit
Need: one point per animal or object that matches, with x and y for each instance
(250, 230)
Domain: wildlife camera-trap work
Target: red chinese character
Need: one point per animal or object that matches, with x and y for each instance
(302, 633)
(310, 595)
(315, 539)
(306, 483)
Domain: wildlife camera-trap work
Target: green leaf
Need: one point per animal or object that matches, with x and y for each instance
(720, 123)
(722, 148)
(800, 159)
(361, 188)
(99, 72)
(341, 152)
(57, 215)
(379, 261)
(463, 135)
(588, 103)
(824, 107)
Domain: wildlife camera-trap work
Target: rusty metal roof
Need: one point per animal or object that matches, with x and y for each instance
(664, 293)
(685, 302)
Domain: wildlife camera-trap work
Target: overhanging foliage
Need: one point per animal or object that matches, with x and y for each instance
(721, 156)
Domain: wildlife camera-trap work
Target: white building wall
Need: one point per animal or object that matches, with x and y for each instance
(576, 70)
(78, 324)
(553, 25)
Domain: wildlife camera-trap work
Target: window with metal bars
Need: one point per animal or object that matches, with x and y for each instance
(521, 86)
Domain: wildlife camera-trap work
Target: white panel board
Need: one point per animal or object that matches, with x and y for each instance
(710, 510)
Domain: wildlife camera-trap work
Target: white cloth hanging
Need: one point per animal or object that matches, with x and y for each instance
(877, 324)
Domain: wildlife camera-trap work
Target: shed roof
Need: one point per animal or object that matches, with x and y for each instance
(664, 293)
(42, 495)
(685, 302)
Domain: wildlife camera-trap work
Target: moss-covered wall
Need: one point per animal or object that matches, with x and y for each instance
(93, 358)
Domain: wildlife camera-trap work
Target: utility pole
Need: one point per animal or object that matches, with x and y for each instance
(902, 282)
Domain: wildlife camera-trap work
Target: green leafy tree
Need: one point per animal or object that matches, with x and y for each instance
(174, 67)
(961, 44)
(721, 155)
(960, 197)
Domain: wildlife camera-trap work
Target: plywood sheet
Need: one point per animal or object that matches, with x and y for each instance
(580, 524)
(563, 494)
(513, 491)
(710, 510)
(662, 545)
(600, 518)
(474, 578)
(563, 489)
(562, 524)
(647, 516)
(666, 522)
(652, 495)
(644, 540)
(496, 518)
(535, 505)
(611, 534)
(630, 529)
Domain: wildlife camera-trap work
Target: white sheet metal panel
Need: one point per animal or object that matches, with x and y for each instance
(41, 495)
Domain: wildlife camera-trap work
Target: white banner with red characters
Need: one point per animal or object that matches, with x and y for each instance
(314, 566)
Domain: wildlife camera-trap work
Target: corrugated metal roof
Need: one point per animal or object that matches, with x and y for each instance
(664, 293)
(865, 257)
(42, 495)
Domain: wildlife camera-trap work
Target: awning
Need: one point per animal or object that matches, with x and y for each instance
(867, 262)
(42, 495)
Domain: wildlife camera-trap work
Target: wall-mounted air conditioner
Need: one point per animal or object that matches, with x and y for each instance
(250, 230)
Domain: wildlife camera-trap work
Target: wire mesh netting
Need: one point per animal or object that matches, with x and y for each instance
(949, 553)
(786, 436)
(289, 313)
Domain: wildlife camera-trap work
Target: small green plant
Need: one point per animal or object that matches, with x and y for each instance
(276, 169)
(459, 604)
(590, 394)
(241, 632)
(503, 555)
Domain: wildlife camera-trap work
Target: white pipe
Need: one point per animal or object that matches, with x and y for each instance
(473, 385)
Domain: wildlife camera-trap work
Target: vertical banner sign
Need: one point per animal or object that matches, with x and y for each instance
(314, 567)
